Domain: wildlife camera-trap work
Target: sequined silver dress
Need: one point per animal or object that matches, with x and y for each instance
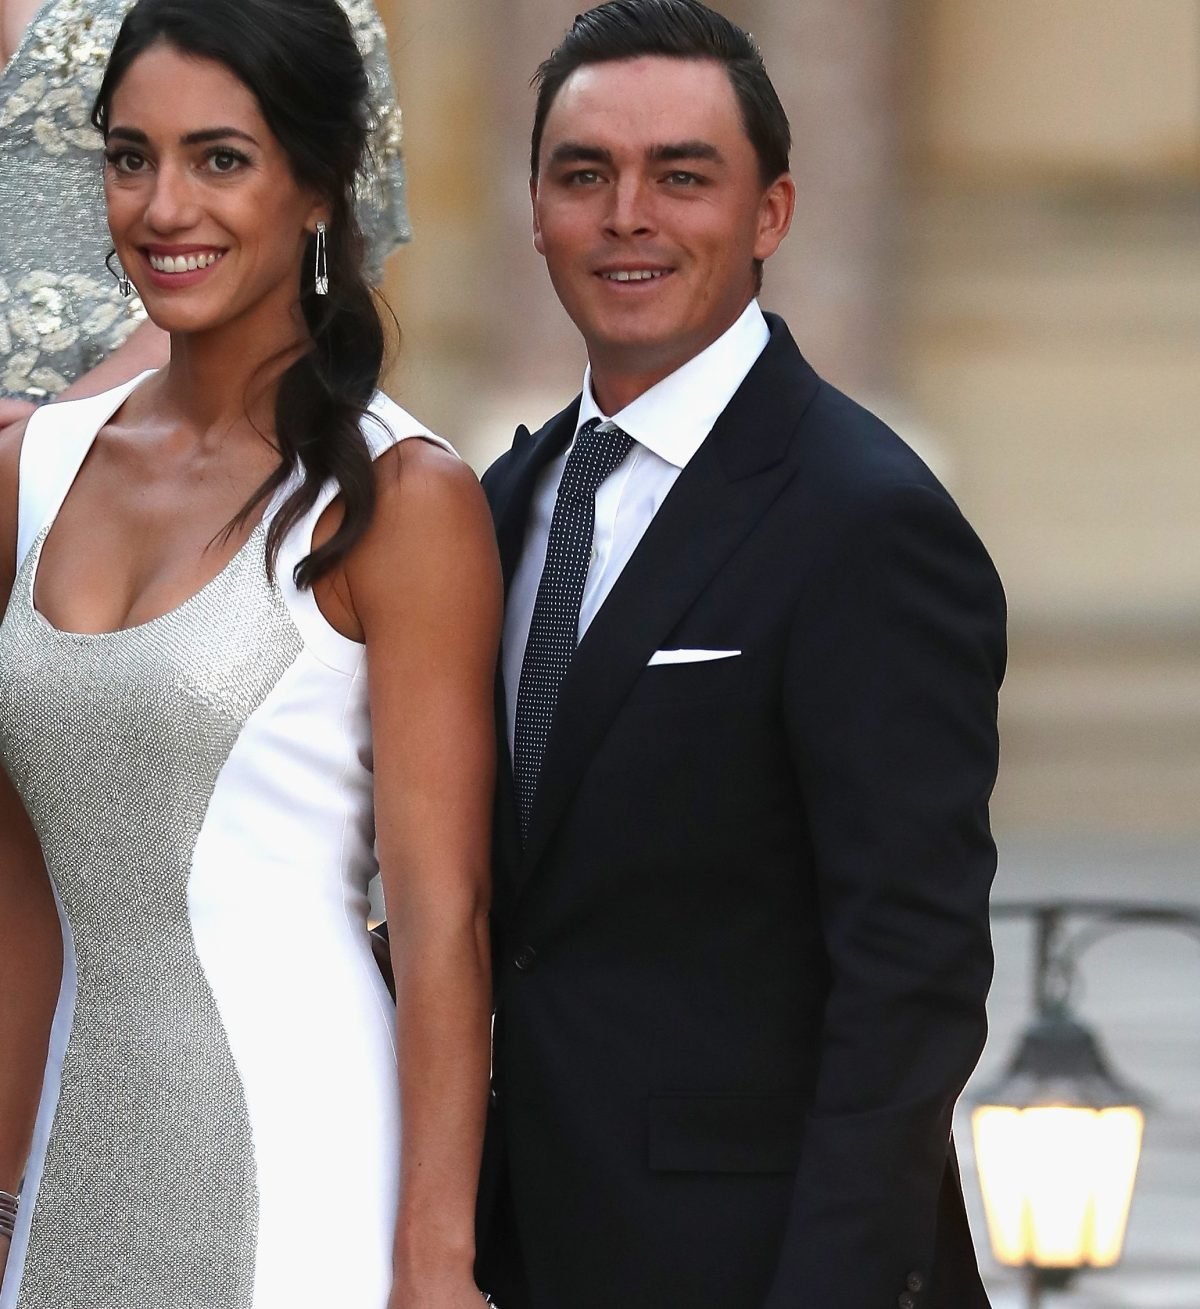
(60, 313)
(219, 1124)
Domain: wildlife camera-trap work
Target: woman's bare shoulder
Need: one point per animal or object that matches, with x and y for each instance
(424, 487)
(431, 541)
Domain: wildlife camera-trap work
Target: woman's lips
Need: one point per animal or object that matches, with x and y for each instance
(175, 270)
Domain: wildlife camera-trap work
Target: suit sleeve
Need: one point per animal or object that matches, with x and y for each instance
(891, 687)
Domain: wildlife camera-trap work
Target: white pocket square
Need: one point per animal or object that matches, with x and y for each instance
(689, 656)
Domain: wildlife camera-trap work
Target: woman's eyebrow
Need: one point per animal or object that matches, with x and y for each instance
(216, 134)
(202, 137)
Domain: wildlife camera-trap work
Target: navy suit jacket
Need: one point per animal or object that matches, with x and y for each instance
(741, 961)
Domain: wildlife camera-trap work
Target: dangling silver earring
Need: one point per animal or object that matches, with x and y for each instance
(321, 272)
(124, 285)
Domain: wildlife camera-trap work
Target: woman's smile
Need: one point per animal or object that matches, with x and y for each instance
(179, 267)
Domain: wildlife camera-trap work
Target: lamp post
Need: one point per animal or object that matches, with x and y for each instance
(1057, 1139)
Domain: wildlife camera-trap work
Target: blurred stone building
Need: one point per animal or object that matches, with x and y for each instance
(997, 247)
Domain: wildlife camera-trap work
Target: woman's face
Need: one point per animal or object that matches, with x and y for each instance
(205, 213)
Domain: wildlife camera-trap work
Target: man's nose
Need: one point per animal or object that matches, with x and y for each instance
(632, 210)
(171, 205)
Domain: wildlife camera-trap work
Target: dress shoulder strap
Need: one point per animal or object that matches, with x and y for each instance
(389, 424)
(57, 439)
(386, 425)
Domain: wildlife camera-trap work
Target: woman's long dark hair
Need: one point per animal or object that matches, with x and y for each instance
(301, 61)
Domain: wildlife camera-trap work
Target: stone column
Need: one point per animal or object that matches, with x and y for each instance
(441, 60)
(835, 65)
(537, 354)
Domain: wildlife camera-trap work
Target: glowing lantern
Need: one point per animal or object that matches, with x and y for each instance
(1057, 1143)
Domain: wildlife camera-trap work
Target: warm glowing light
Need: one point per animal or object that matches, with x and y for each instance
(1057, 1181)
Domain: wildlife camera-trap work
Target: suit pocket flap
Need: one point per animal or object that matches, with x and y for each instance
(714, 1133)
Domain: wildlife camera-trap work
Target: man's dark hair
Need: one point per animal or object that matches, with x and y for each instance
(678, 29)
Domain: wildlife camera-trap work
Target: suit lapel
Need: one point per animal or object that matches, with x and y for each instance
(719, 497)
(509, 485)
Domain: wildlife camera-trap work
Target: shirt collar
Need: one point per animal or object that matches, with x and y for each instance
(674, 416)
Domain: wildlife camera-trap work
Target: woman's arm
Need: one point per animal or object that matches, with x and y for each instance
(30, 940)
(147, 347)
(425, 586)
(30, 974)
(13, 413)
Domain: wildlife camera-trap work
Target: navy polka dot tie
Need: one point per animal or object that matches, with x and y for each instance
(554, 628)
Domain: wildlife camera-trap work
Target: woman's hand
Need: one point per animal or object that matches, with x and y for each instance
(4, 1247)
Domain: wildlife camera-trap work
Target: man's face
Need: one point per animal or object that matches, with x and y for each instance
(650, 211)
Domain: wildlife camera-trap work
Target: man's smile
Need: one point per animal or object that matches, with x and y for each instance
(634, 274)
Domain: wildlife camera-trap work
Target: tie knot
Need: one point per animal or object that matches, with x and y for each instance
(598, 449)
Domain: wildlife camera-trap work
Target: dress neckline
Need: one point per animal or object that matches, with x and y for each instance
(256, 538)
(117, 397)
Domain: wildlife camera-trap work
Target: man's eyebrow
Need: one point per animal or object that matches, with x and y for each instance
(680, 151)
(138, 137)
(575, 152)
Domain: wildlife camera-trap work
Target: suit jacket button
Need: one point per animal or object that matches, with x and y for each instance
(525, 958)
(906, 1301)
(915, 1282)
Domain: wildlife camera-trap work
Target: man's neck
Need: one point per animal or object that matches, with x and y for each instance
(619, 377)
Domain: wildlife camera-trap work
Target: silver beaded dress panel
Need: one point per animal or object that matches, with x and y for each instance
(202, 788)
(114, 744)
(60, 314)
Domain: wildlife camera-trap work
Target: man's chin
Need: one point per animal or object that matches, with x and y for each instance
(631, 352)
(631, 339)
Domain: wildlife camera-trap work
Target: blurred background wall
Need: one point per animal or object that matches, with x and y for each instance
(998, 248)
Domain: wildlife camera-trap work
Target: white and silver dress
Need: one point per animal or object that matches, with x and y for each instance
(219, 1120)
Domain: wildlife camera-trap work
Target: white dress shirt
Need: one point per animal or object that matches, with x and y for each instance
(668, 424)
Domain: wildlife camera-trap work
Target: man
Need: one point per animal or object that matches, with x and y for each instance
(743, 857)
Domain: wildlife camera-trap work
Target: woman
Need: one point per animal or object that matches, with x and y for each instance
(251, 635)
(63, 330)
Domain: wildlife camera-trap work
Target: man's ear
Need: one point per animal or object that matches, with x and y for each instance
(538, 244)
(775, 211)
